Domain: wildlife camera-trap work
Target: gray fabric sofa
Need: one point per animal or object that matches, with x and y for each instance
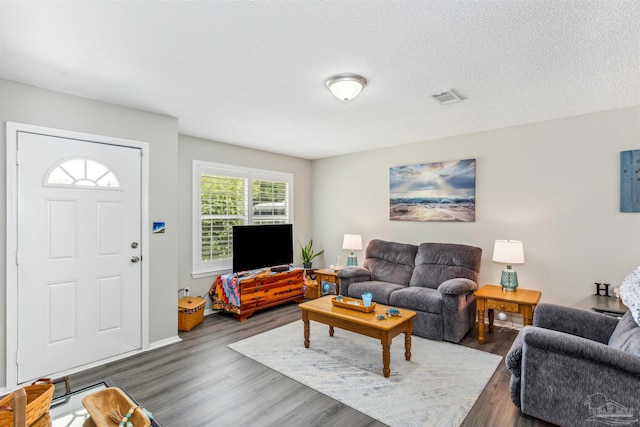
(575, 367)
(436, 280)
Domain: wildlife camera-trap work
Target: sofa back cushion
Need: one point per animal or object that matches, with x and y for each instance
(437, 262)
(626, 335)
(390, 261)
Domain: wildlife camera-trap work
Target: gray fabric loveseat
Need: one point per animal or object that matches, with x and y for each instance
(436, 280)
(575, 367)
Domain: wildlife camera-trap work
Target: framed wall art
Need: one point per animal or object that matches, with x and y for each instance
(442, 191)
(630, 181)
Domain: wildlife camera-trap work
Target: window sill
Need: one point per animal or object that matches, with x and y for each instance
(210, 273)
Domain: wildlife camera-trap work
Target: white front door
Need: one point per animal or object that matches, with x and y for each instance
(78, 262)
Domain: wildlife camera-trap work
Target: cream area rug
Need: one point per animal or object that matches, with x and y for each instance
(437, 387)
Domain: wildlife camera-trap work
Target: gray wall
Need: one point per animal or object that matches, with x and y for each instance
(27, 104)
(554, 185)
(190, 149)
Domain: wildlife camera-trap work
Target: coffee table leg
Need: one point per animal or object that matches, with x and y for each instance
(330, 330)
(407, 345)
(305, 319)
(386, 356)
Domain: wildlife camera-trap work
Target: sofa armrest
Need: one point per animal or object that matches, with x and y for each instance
(513, 359)
(579, 348)
(354, 271)
(457, 286)
(574, 321)
(352, 274)
(565, 378)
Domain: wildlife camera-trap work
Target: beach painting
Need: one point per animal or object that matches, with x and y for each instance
(442, 191)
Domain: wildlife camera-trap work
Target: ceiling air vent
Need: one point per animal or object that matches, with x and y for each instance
(446, 97)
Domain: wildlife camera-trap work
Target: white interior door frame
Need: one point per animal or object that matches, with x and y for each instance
(12, 131)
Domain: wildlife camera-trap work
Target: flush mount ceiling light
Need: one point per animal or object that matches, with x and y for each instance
(345, 87)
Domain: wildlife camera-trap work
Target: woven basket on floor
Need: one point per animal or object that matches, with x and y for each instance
(190, 312)
(43, 421)
(38, 403)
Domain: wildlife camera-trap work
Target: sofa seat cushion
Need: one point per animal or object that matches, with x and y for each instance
(626, 335)
(379, 290)
(420, 299)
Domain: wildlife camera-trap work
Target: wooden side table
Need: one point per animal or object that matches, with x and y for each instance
(328, 275)
(611, 306)
(492, 297)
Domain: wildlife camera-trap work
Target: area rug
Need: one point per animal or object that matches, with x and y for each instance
(437, 387)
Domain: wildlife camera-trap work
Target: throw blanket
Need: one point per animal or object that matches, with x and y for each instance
(225, 294)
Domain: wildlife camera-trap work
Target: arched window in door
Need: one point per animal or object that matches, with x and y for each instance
(82, 173)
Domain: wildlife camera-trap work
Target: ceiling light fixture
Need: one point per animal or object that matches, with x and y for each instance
(346, 86)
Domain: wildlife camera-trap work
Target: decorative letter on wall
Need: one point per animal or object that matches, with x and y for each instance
(443, 191)
(630, 181)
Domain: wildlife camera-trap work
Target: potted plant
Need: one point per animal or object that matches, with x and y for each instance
(307, 254)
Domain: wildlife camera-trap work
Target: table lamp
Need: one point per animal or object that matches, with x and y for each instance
(352, 242)
(508, 252)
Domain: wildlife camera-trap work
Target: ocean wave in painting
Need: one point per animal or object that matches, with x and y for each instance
(428, 209)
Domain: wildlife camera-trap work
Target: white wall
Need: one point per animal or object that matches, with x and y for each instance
(554, 185)
(27, 104)
(190, 149)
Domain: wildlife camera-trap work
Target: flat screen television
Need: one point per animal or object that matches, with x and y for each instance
(262, 246)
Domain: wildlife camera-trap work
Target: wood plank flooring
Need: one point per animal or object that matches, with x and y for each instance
(200, 382)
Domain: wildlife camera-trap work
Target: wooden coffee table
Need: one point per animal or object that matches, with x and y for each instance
(491, 297)
(323, 311)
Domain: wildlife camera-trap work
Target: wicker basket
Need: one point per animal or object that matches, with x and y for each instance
(313, 289)
(102, 404)
(190, 313)
(38, 403)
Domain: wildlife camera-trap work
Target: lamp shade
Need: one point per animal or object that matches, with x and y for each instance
(352, 242)
(345, 87)
(508, 252)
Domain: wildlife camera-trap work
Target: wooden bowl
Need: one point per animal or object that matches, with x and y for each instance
(113, 400)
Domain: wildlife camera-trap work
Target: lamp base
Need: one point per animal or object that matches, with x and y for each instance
(509, 279)
(352, 259)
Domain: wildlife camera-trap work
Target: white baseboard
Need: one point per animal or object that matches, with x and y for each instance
(164, 342)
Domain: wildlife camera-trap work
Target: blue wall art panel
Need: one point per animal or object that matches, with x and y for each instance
(442, 191)
(630, 181)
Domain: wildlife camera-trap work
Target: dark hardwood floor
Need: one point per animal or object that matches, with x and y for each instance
(200, 382)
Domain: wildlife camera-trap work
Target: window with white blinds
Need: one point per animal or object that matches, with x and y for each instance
(225, 196)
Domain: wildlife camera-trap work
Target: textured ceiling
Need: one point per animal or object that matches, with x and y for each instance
(252, 73)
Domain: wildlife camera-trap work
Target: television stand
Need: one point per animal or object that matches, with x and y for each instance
(261, 291)
(280, 268)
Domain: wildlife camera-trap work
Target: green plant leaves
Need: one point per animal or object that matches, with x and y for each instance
(306, 252)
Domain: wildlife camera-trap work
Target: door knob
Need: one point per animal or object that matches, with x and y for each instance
(135, 258)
